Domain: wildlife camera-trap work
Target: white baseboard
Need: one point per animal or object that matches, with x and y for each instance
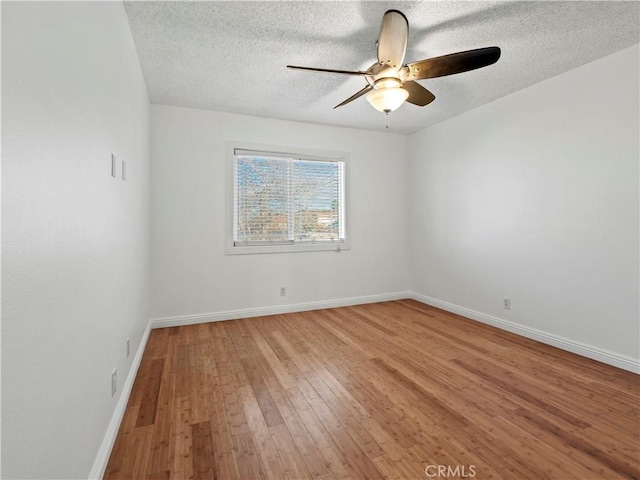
(605, 356)
(100, 463)
(274, 310)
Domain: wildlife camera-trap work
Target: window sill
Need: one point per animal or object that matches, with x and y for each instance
(310, 247)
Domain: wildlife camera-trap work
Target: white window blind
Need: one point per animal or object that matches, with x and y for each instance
(282, 199)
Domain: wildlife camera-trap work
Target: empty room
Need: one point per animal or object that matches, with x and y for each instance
(320, 240)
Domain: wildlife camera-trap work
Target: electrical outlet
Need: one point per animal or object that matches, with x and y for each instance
(506, 303)
(113, 165)
(114, 381)
(283, 291)
(128, 347)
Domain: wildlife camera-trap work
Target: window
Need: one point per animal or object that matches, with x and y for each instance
(286, 202)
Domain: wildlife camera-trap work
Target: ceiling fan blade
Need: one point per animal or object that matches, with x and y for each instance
(392, 40)
(418, 95)
(453, 63)
(366, 89)
(328, 70)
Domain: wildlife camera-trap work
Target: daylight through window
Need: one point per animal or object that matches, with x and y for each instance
(286, 199)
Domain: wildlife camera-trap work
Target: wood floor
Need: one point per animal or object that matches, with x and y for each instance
(389, 390)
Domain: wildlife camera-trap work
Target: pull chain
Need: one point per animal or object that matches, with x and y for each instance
(387, 120)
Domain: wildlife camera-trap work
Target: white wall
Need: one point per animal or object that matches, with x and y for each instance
(535, 197)
(75, 241)
(191, 273)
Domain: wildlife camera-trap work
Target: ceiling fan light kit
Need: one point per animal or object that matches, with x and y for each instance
(387, 95)
(390, 83)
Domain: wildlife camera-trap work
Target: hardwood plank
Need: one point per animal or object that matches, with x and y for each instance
(292, 460)
(160, 461)
(439, 408)
(609, 458)
(539, 399)
(555, 454)
(139, 458)
(390, 447)
(181, 440)
(204, 465)
(226, 466)
(330, 407)
(267, 406)
(149, 402)
(312, 456)
(248, 458)
(261, 435)
(272, 359)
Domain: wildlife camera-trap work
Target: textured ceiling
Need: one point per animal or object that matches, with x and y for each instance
(232, 56)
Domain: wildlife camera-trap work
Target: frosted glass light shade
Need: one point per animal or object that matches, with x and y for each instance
(387, 99)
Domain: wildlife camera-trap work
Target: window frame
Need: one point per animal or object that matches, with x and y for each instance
(292, 152)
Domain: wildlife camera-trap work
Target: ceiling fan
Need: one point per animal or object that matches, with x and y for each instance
(390, 83)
